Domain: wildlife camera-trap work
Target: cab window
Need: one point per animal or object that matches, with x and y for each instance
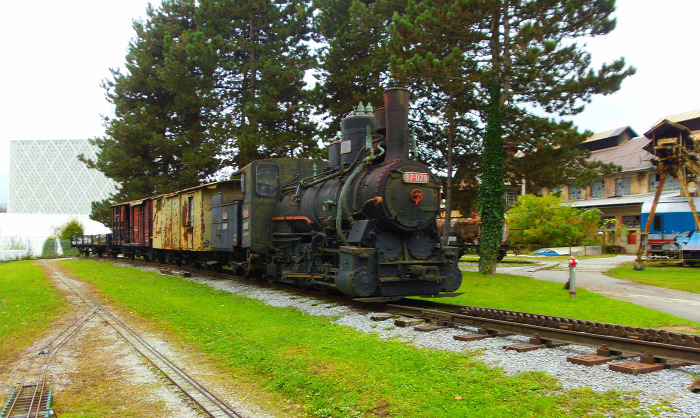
(267, 180)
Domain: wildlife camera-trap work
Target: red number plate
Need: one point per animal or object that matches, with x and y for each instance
(415, 177)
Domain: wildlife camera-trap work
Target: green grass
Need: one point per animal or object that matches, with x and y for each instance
(28, 304)
(332, 370)
(518, 293)
(666, 275)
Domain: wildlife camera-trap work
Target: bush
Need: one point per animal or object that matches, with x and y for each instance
(49, 249)
(545, 221)
(71, 229)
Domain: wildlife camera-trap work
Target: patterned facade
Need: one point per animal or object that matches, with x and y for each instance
(47, 177)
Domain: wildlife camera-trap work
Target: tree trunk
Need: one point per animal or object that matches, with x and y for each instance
(447, 226)
(491, 199)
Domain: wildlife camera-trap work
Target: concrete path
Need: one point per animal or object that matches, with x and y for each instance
(589, 275)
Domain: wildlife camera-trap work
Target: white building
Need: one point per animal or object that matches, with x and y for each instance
(47, 177)
(49, 187)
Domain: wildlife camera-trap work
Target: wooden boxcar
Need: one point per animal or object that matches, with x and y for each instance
(131, 227)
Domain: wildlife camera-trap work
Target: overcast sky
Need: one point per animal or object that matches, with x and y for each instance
(55, 54)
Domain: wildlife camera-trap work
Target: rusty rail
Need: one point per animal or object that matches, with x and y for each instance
(634, 340)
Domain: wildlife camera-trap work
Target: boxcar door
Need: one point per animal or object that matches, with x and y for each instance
(218, 232)
(233, 213)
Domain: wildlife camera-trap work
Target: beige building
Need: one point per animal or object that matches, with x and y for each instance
(620, 196)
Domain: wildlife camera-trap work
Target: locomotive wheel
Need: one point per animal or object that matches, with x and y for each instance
(517, 250)
(363, 283)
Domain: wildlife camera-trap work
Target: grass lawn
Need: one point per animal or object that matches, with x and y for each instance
(28, 304)
(666, 275)
(332, 370)
(518, 293)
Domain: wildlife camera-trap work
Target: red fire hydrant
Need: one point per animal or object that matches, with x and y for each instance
(572, 276)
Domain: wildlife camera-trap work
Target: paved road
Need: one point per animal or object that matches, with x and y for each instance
(590, 277)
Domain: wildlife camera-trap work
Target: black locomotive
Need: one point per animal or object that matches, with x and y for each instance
(365, 224)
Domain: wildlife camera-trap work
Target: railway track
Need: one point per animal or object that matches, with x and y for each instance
(31, 397)
(204, 400)
(663, 346)
(656, 348)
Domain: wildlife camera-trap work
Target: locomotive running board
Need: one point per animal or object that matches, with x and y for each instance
(380, 299)
(443, 295)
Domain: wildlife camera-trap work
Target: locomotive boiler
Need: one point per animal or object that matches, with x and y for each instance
(364, 224)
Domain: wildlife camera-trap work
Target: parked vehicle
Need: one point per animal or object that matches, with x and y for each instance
(673, 234)
(465, 234)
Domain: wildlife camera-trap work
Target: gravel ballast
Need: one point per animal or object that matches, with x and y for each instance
(662, 393)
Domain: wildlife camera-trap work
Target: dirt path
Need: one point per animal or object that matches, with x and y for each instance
(97, 373)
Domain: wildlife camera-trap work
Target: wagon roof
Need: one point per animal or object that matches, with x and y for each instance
(201, 186)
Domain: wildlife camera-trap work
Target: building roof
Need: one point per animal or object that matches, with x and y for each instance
(680, 117)
(609, 134)
(631, 155)
(630, 199)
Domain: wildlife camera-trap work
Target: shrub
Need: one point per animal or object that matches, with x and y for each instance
(71, 229)
(545, 221)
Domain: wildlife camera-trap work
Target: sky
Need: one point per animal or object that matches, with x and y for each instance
(56, 54)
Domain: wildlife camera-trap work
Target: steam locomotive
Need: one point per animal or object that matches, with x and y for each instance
(365, 224)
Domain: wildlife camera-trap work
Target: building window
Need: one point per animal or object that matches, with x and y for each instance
(633, 221)
(555, 191)
(670, 184)
(598, 189)
(608, 222)
(511, 196)
(575, 193)
(623, 186)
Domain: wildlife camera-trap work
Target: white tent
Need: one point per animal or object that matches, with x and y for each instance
(26, 233)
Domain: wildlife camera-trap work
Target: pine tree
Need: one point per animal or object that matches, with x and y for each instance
(353, 63)
(502, 59)
(530, 58)
(207, 85)
(264, 54)
(163, 136)
(431, 54)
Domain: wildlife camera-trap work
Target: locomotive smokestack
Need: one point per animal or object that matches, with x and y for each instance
(397, 137)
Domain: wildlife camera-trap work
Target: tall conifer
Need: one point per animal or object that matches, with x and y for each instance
(264, 55)
(502, 59)
(353, 60)
(162, 135)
